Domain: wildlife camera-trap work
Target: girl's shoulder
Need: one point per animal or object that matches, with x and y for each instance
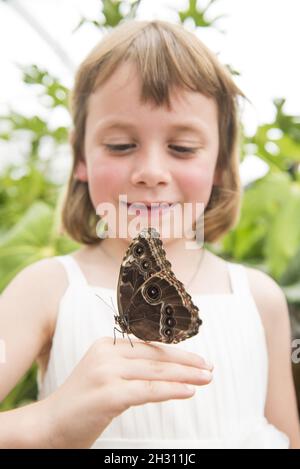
(269, 298)
(42, 284)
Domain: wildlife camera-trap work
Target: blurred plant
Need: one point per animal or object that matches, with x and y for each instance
(34, 237)
(34, 178)
(268, 233)
(113, 12)
(24, 392)
(200, 16)
(18, 191)
(30, 198)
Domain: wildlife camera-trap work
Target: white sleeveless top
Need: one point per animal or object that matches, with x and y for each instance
(227, 413)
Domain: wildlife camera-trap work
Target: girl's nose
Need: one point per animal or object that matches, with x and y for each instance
(150, 169)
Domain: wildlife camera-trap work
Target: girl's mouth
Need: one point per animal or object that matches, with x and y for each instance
(155, 208)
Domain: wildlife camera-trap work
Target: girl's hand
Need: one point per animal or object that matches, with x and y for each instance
(111, 378)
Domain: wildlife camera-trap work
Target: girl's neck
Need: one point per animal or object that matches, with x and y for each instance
(176, 252)
(102, 268)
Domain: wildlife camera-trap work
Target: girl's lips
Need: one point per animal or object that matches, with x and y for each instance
(148, 204)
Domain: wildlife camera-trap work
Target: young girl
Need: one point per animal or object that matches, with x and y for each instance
(155, 118)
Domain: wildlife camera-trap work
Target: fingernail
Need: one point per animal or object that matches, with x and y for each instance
(207, 375)
(190, 387)
(209, 365)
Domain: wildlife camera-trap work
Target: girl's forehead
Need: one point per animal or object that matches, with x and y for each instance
(127, 82)
(120, 95)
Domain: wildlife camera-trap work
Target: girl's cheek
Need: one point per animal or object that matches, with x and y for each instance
(104, 183)
(197, 184)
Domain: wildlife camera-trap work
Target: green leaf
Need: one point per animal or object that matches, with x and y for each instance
(292, 292)
(25, 242)
(198, 16)
(31, 239)
(283, 237)
(261, 202)
(291, 274)
(111, 12)
(24, 392)
(20, 187)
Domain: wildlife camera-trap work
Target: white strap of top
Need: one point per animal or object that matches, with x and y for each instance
(74, 273)
(239, 279)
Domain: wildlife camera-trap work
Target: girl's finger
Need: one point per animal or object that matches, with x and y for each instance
(161, 352)
(167, 371)
(140, 392)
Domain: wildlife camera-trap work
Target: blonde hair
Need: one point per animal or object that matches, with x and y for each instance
(166, 55)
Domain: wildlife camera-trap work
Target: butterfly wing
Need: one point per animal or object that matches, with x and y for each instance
(161, 310)
(144, 257)
(172, 316)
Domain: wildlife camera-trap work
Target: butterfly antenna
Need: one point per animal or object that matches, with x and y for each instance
(105, 302)
(114, 309)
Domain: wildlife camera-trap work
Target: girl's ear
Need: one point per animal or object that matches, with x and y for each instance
(80, 172)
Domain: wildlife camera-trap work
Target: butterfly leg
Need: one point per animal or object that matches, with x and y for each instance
(130, 341)
(116, 329)
(114, 336)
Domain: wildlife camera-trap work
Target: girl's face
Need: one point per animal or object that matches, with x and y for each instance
(151, 154)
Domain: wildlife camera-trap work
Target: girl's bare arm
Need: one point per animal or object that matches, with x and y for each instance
(27, 308)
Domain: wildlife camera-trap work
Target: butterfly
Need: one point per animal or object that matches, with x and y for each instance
(153, 304)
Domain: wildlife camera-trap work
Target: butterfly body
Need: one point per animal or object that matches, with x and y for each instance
(153, 304)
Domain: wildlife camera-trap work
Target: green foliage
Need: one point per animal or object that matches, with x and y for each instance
(269, 224)
(198, 16)
(277, 143)
(268, 233)
(290, 280)
(30, 200)
(51, 94)
(24, 392)
(18, 191)
(112, 14)
(34, 237)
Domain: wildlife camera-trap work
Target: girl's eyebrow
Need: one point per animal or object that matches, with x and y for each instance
(195, 125)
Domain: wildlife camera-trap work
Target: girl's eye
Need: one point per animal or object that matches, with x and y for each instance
(121, 147)
(125, 146)
(184, 149)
